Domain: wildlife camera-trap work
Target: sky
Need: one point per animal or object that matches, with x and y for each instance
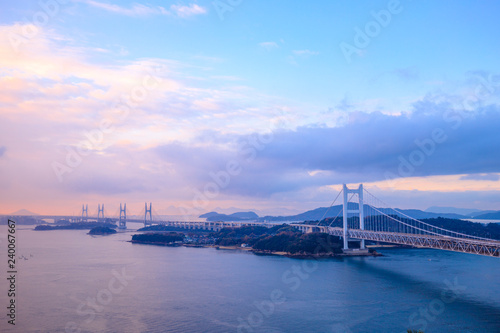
(232, 104)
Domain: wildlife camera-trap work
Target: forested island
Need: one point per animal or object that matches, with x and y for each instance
(102, 231)
(165, 239)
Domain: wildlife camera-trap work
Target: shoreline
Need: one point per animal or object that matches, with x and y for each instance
(156, 243)
(266, 253)
(296, 255)
(318, 255)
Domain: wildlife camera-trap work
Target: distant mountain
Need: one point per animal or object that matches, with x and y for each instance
(210, 214)
(267, 211)
(489, 216)
(232, 210)
(418, 214)
(468, 212)
(482, 212)
(310, 215)
(23, 212)
(240, 216)
(453, 210)
(245, 215)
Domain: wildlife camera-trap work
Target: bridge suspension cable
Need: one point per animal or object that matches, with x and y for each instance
(333, 202)
(412, 224)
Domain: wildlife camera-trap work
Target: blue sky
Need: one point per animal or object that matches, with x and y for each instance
(203, 84)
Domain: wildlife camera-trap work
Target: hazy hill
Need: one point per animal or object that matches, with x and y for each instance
(468, 212)
(489, 216)
(23, 212)
(453, 210)
(240, 216)
(482, 212)
(210, 214)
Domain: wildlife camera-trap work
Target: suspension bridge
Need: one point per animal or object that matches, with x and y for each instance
(361, 217)
(373, 220)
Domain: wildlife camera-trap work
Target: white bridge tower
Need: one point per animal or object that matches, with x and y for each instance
(85, 213)
(100, 212)
(122, 223)
(148, 211)
(359, 211)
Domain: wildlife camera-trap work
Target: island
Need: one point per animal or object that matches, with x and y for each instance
(285, 240)
(102, 231)
(164, 239)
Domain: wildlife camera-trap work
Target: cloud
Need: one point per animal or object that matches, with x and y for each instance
(345, 104)
(147, 10)
(305, 53)
(226, 78)
(407, 74)
(269, 45)
(487, 176)
(366, 149)
(55, 97)
(187, 11)
(300, 54)
(371, 145)
(135, 10)
(96, 182)
(191, 125)
(49, 74)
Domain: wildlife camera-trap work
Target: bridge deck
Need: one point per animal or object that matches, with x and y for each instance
(474, 246)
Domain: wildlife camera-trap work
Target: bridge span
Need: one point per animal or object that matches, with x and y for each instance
(481, 247)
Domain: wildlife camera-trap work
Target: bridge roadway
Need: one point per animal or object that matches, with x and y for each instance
(465, 245)
(214, 226)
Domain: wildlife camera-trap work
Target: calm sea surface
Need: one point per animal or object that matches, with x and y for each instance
(483, 221)
(73, 282)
